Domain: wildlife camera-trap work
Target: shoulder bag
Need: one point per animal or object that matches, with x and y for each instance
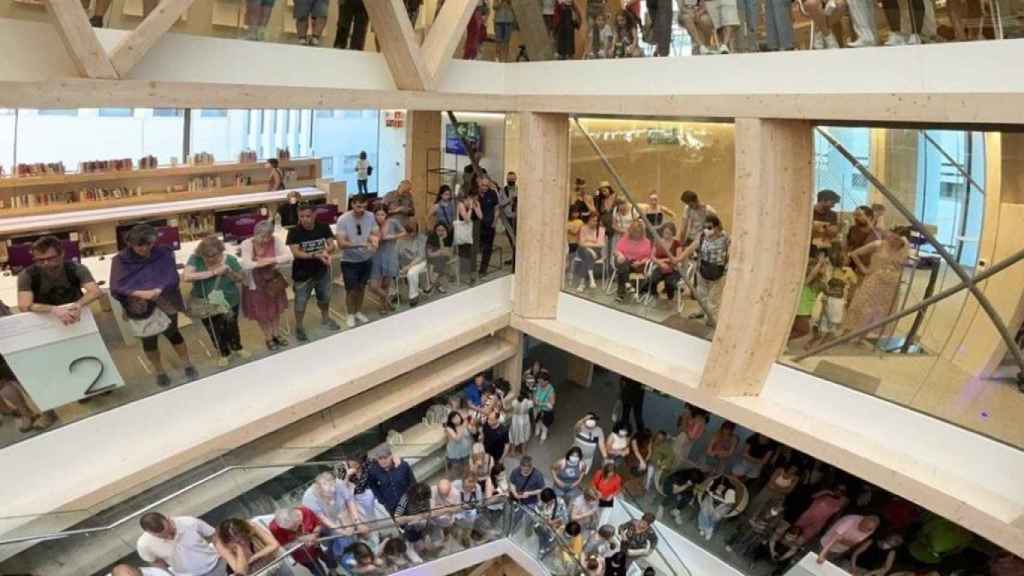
(154, 324)
(709, 270)
(213, 304)
(462, 230)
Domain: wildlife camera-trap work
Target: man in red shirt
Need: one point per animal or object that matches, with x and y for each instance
(300, 523)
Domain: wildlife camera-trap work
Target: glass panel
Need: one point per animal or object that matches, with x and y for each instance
(91, 134)
(679, 176)
(867, 264)
(218, 173)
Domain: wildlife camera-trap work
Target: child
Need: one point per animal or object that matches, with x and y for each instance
(813, 281)
(834, 296)
(359, 559)
(604, 542)
(572, 231)
(601, 41)
(397, 555)
(574, 545)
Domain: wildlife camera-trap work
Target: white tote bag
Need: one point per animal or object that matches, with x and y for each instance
(463, 231)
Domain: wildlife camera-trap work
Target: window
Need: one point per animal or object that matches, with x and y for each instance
(58, 112)
(167, 112)
(212, 113)
(116, 112)
(229, 132)
(339, 136)
(950, 190)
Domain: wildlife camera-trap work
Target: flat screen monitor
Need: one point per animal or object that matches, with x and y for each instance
(470, 131)
(239, 227)
(19, 256)
(121, 229)
(168, 236)
(326, 213)
(222, 215)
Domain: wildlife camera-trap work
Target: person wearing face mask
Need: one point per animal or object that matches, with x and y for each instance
(568, 473)
(589, 438)
(712, 250)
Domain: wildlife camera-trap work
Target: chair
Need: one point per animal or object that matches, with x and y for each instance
(742, 494)
(634, 277)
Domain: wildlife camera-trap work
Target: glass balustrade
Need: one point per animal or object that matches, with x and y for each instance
(219, 277)
(587, 29)
(650, 218)
(902, 218)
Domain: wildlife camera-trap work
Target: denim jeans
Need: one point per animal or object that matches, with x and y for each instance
(778, 17)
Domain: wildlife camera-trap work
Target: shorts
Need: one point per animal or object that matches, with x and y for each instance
(546, 417)
(503, 32)
(723, 12)
(306, 8)
(303, 289)
(356, 274)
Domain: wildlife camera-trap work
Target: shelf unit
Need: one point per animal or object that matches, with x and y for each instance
(166, 186)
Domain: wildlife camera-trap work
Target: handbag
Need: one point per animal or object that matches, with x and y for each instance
(213, 304)
(369, 170)
(709, 270)
(154, 324)
(277, 284)
(463, 232)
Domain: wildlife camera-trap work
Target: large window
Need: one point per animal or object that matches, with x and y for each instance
(339, 136)
(226, 133)
(75, 136)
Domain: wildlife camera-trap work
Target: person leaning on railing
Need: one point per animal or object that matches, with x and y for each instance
(300, 524)
(248, 547)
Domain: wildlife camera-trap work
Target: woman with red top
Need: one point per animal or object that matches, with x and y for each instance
(668, 253)
(632, 252)
(608, 484)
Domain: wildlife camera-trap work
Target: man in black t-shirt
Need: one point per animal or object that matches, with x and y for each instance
(495, 438)
(631, 393)
(311, 243)
(758, 451)
(53, 286)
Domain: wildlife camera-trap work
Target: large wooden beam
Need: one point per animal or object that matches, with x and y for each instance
(543, 204)
(398, 42)
(444, 36)
(770, 236)
(533, 32)
(79, 39)
(132, 48)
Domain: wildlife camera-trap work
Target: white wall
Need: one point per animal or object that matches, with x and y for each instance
(391, 163)
(492, 128)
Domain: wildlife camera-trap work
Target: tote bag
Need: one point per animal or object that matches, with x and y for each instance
(463, 232)
(152, 325)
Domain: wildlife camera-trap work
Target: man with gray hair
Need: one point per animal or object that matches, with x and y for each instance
(301, 524)
(389, 477)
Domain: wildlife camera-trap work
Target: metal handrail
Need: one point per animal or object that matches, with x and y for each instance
(661, 538)
(171, 496)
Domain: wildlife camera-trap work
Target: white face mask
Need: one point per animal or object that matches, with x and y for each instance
(591, 423)
(574, 460)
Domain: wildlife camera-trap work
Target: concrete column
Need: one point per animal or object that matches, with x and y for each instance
(423, 146)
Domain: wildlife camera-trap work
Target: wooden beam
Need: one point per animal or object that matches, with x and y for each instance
(79, 39)
(423, 137)
(768, 253)
(533, 32)
(444, 36)
(543, 204)
(398, 43)
(133, 47)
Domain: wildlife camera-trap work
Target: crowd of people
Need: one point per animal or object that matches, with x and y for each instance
(772, 504)
(853, 272)
(641, 249)
(378, 242)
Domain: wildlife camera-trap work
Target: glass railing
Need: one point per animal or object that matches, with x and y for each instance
(650, 218)
(902, 218)
(231, 484)
(211, 286)
(665, 28)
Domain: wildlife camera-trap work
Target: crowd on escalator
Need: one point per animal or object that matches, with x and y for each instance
(765, 504)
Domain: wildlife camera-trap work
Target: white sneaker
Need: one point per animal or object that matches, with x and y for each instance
(819, 42)
(350, 321)
(723, 49)
(862, 42)
(222, 362)
(830, 7)
(582, 286)
(914, 40)
(243, 354)
(362, 318)
(896, 39)
(593, 284)
(704, 50)
(831, 42)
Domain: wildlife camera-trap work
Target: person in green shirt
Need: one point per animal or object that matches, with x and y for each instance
(939, 539)
(215, 277)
